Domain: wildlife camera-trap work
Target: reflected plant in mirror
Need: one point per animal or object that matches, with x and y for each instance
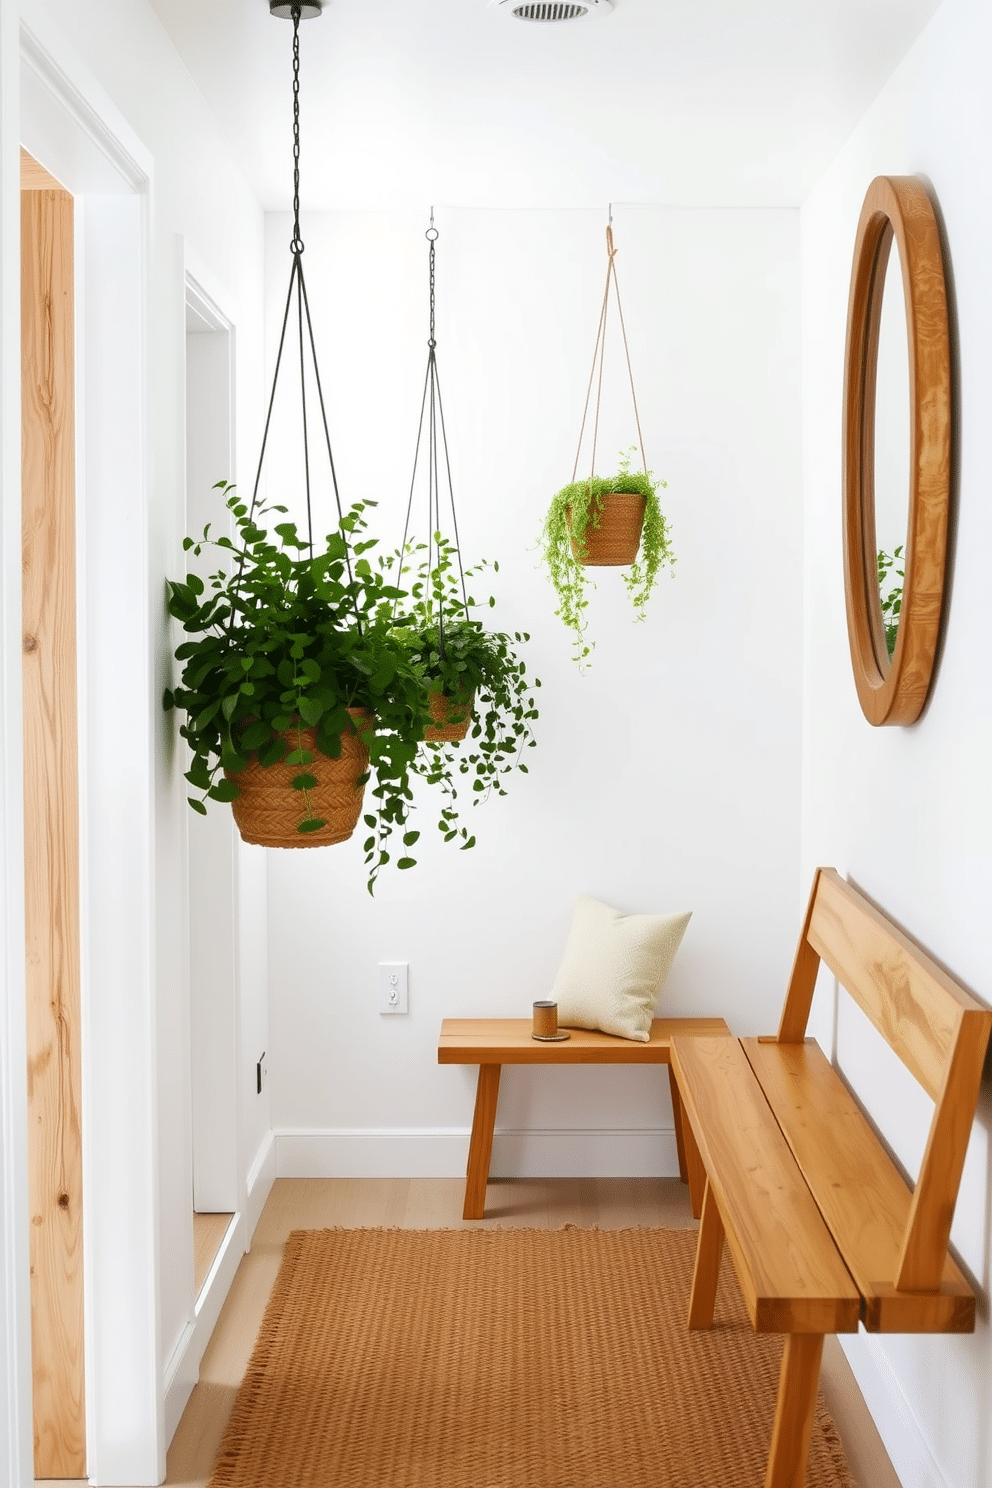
(890, 582)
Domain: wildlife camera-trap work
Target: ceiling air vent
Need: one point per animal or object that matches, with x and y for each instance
(553, 10)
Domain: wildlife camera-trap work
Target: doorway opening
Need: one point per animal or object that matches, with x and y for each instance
(211, 840)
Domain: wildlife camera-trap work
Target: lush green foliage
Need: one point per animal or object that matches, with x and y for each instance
(573, 510)
(459, 657)
(891, 578)
(283, 638)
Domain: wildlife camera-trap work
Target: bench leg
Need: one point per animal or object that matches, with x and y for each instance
(708, 1252)
(679, 1115)
(794, 1411)
(480, 1147)
(695, 1170)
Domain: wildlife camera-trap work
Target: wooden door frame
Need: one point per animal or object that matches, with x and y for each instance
(70, 124)
(51, 821)
(16, 1444)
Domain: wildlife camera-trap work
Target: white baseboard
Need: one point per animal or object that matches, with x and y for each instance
(897, 1426)
(441, 1153)
(261, 1177)
(183, 1369)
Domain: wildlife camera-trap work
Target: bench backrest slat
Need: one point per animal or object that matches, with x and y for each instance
(915, 1006)
(937, 1029)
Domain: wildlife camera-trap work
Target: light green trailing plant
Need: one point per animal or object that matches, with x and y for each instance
(891, 577)
(285, 638)
(457, 656)
(573, 510)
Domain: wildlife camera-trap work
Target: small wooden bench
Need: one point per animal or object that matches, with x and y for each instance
(492, 1042)
(822, 1228)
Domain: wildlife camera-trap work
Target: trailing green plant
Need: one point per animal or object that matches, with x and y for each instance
(890, 584)
(459, 658)
(573, 510)
(284, 639)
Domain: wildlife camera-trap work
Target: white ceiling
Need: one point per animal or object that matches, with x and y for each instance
(408, 102)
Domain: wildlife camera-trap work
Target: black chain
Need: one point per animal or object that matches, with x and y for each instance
(431, 236)
(305, 324)
(432, 409)
(296, 246)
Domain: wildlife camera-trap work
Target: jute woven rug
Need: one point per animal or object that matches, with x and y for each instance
(509, 1358)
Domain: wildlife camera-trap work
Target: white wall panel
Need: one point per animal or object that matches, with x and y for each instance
(907, 812)
(667, 777)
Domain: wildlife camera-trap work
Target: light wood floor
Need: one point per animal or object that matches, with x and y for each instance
(208, 1237)
(429, 1203)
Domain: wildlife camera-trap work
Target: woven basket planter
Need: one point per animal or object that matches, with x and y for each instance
(269, 811)
(614, 543)
(451, 720)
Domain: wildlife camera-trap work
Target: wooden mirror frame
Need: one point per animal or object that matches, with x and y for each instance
(895, 691)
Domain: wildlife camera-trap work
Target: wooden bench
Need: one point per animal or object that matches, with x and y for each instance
(492, 1042)
(823, 1230)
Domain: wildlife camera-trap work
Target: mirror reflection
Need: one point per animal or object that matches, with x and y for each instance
(892, 448)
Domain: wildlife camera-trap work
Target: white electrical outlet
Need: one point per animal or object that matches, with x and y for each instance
(393, 986)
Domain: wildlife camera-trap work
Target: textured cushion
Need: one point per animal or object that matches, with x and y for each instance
(614, 967)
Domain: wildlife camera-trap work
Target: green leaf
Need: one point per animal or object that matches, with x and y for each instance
(310, 710)
(272, 753)
(409, 838)
(313, 825)
(197, 806)
(304, 782)
(406, 862)
(299, 757)
(205, 717)
(224, 790)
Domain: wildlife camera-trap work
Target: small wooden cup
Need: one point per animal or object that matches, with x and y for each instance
(545, 1020)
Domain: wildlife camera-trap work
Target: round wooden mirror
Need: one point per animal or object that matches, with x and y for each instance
(893, 635)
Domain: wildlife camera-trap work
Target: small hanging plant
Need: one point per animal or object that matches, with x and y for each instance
(475, 670)
(570, 543)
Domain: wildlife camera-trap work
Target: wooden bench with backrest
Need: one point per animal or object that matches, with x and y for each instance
(823, 1229)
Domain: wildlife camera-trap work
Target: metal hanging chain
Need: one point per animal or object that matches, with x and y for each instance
(296, 246)
(432, 409)
(597, 363)
(297, 282)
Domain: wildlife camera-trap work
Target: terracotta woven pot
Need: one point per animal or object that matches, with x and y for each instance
(451, 720)
(615, 541)
(268, 810)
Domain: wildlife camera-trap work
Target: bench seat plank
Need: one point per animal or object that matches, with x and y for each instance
(864, 1199)
(509, 1041)
(789, 1269)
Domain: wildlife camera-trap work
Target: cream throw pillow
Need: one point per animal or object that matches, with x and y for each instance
(614, 968)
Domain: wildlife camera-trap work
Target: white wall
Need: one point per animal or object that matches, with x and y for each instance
(668, 777)
(907, 812)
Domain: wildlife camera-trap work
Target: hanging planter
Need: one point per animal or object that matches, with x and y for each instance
(612, 522)
(450, 717)
(474, 682)
(267, 807)
(295, 688)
